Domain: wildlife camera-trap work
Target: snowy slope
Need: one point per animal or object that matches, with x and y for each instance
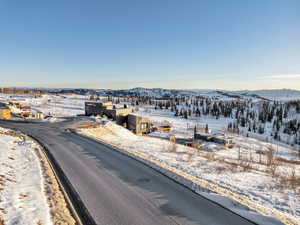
(23, 200)
(272, 94)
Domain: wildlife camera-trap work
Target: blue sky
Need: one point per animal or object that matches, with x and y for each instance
(224, 44)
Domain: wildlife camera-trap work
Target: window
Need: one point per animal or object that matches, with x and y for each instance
(144, 126)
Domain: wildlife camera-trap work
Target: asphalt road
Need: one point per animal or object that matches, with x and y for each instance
(118, 190)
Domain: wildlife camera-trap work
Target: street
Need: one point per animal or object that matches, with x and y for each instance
(118, 190)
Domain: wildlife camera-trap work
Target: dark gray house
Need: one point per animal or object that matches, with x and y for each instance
(139, 125)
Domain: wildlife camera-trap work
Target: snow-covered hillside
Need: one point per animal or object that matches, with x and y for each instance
(219, 166)
(272, 121)
(275, 94)
(272, 94)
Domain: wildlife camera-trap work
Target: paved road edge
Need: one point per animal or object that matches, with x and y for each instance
(75, 204)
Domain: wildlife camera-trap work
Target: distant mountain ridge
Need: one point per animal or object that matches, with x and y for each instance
(264, 94)
(267, 95)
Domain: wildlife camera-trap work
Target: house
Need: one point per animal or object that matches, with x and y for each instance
(122, 115)
(93, 108)
(109, 110)
(115, 113)
(106, 108)
(30, 115)
(5, 112)
(226, 141)
(203, 136)
(139, 125)
(39, 116)
(217, 138)
(165, 128)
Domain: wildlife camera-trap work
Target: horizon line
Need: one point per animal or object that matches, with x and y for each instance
(182, 89)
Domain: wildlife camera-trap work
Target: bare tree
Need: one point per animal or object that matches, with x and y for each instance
(239, 152)
(270, 156)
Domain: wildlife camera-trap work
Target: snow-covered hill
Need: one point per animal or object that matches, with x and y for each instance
(267, 95)
(274, 94)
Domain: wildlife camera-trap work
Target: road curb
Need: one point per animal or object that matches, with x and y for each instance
(75, 204)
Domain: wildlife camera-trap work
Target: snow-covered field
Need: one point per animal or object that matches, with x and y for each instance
(181, 127)
(259, 186)
(22, 196)
(50, 105)
(58, 106)
(184, 128)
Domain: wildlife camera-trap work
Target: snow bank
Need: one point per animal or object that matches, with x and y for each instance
(23, 200)
(110, 130)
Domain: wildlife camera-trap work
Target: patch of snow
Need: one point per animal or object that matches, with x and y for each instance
(22, 194)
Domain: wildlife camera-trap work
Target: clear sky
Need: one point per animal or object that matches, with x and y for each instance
(224, 44)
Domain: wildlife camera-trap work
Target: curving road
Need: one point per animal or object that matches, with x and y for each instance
(118, 190)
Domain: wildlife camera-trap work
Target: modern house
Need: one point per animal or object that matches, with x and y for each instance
(217, 138)
(122, 115)
(31, 115)
(118, 112)
(93, 108)
(107, 109)
(139, 125)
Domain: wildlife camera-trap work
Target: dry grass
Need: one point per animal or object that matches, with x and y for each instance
(88, 125)
(211, 156)
(58, 207)
(11, 180)
(294, 181)
(233, 168)
(289, 181)
(220, 169)
(21, 196)
(190, 156)
(2, 179)
(289, 161)
(270, 156)
(245, 164)
(172, 147)
(273, 167)
(2, 182)
(7, 165)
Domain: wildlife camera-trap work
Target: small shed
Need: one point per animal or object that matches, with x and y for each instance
(217, 138)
